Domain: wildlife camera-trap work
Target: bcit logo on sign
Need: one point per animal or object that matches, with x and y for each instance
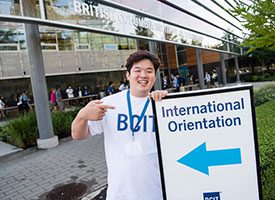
(211, 196)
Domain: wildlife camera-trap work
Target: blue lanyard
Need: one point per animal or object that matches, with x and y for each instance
(131, 117)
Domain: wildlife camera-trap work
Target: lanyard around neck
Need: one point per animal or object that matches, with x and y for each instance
(131, 117)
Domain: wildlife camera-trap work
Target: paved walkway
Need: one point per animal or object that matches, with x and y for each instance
(7, 149)
(32, 174)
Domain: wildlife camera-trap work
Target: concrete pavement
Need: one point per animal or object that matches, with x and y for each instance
(31, 174)
(6, 149)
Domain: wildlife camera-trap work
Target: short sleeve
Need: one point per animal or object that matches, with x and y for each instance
(95, 127)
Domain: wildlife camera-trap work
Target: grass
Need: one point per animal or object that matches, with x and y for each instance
(265, 118)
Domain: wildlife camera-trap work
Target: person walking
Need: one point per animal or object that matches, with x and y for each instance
(130, 144)
(53, 100)
(2, 106)
(25, 102)
(164, 82)
(58, 98)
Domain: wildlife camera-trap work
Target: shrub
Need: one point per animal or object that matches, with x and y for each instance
(264, 95)
(268, 75)
(62, 122)
(265, 118)
(23, 131)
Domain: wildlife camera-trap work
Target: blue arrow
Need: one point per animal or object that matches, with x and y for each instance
(200, 159)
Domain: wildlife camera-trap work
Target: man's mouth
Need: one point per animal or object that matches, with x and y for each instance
(142, 82)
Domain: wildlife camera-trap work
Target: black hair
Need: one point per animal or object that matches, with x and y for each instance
(141, 55)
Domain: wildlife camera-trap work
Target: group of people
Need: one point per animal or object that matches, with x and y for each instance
(123, 85)
(176, 81)
(23, 102)
(79, 92)
(56, 99)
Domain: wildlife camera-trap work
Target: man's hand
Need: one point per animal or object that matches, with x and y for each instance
(94, 110)
(158, 94)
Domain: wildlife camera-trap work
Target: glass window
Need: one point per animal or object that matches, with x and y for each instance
(132, 43)
(160, 9)
(81, 40)
(8, 40)
(109, 39)
(81, 37)
(122, 43)
(9, 7)
(96, 41)
(47, 38)
(65, 40)
(181, 55)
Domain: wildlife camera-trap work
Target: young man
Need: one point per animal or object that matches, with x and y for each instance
(126, 119)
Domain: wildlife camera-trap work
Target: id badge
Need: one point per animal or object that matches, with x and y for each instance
(133, 149)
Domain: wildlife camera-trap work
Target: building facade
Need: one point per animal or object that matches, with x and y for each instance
(93, 38)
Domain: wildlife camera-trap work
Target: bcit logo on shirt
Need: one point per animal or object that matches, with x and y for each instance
(211, 196)
(146, 125)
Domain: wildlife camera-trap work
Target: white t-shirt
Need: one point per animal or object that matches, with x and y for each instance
(70, 93)
(133, 169)
(2, 104)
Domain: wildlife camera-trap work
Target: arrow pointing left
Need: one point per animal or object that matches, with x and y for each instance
(200, 159)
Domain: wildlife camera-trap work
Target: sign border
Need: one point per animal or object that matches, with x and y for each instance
(206, 92)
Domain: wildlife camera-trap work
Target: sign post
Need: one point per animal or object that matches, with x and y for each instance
(207, 145)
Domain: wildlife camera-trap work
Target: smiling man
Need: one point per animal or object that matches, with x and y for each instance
(126, 119)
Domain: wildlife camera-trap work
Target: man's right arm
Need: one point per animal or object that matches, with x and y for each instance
(93, 111)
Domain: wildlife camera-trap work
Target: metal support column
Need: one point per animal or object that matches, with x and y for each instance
(200, 68)
(237, 69)
(39, 88)
(223, 69)
(153, 49)
(47, 139)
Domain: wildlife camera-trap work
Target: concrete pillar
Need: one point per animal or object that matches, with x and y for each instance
(200, 68)
(47, 139)
(237, 69)
(153, 49)
(223, 69)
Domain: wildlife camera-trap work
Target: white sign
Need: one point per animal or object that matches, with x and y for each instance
(206, 144)
(110, 47)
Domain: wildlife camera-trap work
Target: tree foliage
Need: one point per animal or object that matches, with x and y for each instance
(259, 19)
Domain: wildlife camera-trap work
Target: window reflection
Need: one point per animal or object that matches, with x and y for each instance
(65, 40)
(107, 18)
(11, 7)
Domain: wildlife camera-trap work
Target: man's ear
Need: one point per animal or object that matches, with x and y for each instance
(127, 75)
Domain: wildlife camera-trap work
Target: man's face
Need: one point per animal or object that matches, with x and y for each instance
(142, 78)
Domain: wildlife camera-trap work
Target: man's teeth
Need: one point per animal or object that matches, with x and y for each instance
(142, 82)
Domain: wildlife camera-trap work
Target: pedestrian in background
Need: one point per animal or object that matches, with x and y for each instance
(70, 92)
(58, 97)
(2, 106)
(110, 89)
(25, 102)
(53, 100)
(207, 79)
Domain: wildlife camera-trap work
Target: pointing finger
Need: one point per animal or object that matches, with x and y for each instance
(102, 106)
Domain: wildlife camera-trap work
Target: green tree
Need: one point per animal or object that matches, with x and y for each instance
(259, 19)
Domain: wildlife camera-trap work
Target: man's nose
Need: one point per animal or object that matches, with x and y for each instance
(143, 73)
